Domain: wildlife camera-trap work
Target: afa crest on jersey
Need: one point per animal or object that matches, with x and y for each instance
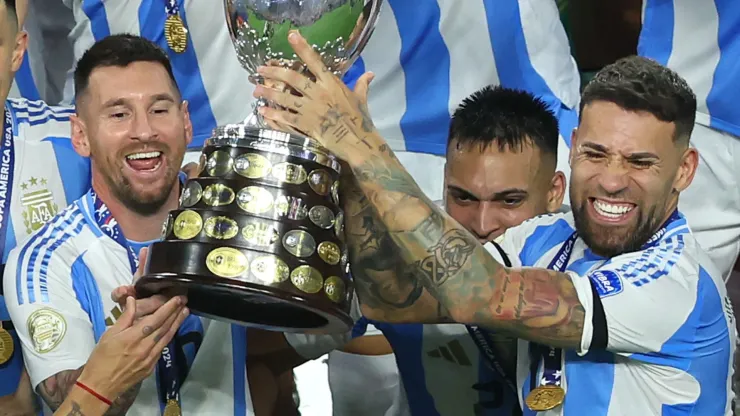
(38, 204)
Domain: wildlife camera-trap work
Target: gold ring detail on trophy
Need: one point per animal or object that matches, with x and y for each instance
(321, 216)
(339, 226)
(335, 289)
(307, 279)
(270, 269)
(191, 194)
(217, 195)
(255, 200)
(320, 181)
(227, 262)
(252, 166)
(291, 207)
(221, 228)
(219, 163)
(299, 243)
(329, 252)
(187, 225)
(289, 173)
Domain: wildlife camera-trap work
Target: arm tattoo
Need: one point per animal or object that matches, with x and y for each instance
(55, 388)
(76, 410)
(54, 391)
(534, 304)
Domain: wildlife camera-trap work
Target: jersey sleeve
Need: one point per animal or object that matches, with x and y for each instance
(647, 297)
(56, 334)
(311, 347)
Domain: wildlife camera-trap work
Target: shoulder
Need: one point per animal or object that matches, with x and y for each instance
(530, 240)
(35, 121)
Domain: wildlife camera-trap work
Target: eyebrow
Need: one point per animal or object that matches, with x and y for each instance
(631, 156)
(498, 196)
(122, 101)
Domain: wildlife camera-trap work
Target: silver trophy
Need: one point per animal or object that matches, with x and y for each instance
(258, 237)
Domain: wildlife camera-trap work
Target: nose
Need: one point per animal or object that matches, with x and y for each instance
(486, 224)
(142, 127)
(614, 178)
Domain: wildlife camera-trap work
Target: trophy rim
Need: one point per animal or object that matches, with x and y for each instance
(264, 139)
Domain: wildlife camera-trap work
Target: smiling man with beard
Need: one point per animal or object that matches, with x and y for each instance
(617, 308)
(134, 125)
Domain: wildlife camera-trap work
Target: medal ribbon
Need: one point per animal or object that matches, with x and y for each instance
(7, 166)
(484, 343)
(552, 357)
(168, 374)
(172, 8)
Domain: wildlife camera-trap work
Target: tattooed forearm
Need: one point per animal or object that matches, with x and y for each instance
(54, 391)
(458, 272)
(384, 282)
(56, 388)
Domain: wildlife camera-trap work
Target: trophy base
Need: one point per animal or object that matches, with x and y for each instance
(247, 304)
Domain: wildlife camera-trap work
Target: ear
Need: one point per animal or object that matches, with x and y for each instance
(556, 193)
(687, 169)
(187, 123)
(80, 140)
(21, 42)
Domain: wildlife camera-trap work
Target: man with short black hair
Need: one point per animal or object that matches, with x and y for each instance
(616, 306)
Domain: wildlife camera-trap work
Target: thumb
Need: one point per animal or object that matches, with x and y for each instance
(142, 263)
(362, 86)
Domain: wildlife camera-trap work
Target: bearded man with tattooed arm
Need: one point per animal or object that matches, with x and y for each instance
(617, 307)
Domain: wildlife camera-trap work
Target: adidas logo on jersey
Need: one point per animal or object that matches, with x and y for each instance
(452, 352)
(116, 312)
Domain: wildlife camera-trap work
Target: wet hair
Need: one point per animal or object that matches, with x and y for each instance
(506, 118)
(640, 84)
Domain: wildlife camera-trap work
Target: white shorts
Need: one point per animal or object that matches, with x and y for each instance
(363, 385)
(711, 203)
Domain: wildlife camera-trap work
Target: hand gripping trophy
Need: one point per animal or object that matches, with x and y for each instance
(258, 236)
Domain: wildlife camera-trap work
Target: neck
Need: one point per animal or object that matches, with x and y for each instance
(135, 226)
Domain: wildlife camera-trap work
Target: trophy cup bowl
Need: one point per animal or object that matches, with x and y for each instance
(258, 236)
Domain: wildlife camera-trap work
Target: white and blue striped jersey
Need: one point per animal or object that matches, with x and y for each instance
(699, 41)
(58, 288)
(40, 174)
(207, 72)
(427, 55)
(671, 332)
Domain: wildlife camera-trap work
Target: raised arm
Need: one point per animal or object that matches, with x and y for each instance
(535, 304)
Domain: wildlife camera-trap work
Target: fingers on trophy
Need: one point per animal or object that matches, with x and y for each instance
(258, 237)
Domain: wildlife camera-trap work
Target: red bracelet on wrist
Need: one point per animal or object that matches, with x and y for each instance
(94, 393)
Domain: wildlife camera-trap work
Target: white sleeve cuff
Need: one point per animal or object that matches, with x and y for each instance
(312, 347)
(585, 296)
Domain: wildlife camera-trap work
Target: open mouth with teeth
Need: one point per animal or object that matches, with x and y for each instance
(144, 161)
(613, 212)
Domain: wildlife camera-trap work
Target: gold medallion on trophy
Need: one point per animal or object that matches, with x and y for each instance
(321, 216)
(307, 279)
(221, 228)
(252, 165)
(299, 243)
(172, 408)
(6, 346)
(545, 398)
(329, 252)
(217, 195)
(187, 225)
(334, 288)
(289, 173)
(227, 262)
(270, 269)
(175, 33)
